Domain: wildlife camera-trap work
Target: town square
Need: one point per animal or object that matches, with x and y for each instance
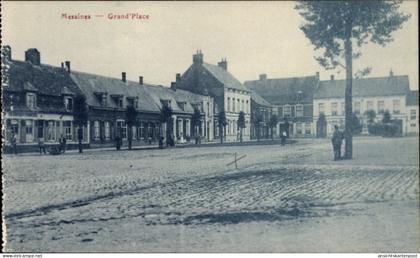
(223, 133)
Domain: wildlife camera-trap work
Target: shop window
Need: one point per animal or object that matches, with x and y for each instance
(307, 128)
(67, 126)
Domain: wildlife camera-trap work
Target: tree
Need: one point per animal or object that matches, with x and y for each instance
(222, 123)
(196, 122)
(273, 123)
(370, 114)
(166, 119)
(321, 126)
(257, 119)
(241, 123)
(355, 125)
(131, 119)
(387, 117)
(337, 26)
(80, 117)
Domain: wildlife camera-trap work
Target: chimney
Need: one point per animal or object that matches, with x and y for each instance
(263, 77)
(141, 80)
(33, 56)
(123, 77)
(173, 86)
(391, 73)
(317, 75)
(223, 64)
(178, 78)
(6, 53)
(198, 57)
(68, 66)
(332, 77)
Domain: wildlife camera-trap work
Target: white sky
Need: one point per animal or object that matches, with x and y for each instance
(255, 37)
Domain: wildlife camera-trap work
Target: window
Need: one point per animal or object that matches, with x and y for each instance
(357, 107)
(29, 130)
(130, 102)
(208, 108)
(334, 107)
(233, 104)
(141, 131)
(122, 129)
(247, 106)
(133, 132)
(68, 103)
(120, 102)
(50, 131)
(307, 128)
(243, 106)
(103, 99)
(67, 128)
(239, 106)
(381, 106)
(96, 132)
(321, 108)
(298, 128)
(30, 100)
(396, 106)
(413, 114)
(369, 105)
(343, 109)
(107, 131)
(228, 104)
(287, 110)
(299, 110)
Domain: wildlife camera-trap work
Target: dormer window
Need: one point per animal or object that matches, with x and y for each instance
(134, 102)
(118, 100)
(31, 100)
(68, 103)
(166, 103)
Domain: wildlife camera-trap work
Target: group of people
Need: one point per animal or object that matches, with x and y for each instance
(53, 150)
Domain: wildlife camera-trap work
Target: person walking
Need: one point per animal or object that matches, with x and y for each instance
(41, 145)
(14, 144)
(337, 140)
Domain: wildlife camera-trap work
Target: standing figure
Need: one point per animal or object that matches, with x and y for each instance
(41, 145)
(118, 142)
(14, 144)
(63, 142)
(283, 137)
(337, 140)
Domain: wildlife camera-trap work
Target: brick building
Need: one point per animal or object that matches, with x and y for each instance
(228, 93)
(291, 100)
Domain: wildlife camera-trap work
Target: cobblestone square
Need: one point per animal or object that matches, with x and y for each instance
(291, 198)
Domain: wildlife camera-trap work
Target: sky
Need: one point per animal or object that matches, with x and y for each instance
(254, 37)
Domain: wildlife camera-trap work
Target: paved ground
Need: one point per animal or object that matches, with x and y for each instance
(280, 199)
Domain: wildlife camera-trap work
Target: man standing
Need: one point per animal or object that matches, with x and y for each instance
(283, 137)
(63, 142)
(41, 145)
(14, 143)
(336, 140)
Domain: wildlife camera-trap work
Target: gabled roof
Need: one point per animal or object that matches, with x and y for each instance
(366, 87)
(223, 76)
(285, 90)
(92, 84)
(45, 79)
(158, 93)
(412, 98)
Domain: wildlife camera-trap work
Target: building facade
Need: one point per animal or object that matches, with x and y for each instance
(228, 94)
(37, 102)
(412, 102)
(291, 100)
(370, 94)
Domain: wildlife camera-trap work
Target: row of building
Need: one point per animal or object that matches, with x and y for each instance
(38, 103)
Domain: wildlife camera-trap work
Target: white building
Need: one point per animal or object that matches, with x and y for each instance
(377, 94)
(412, 112)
